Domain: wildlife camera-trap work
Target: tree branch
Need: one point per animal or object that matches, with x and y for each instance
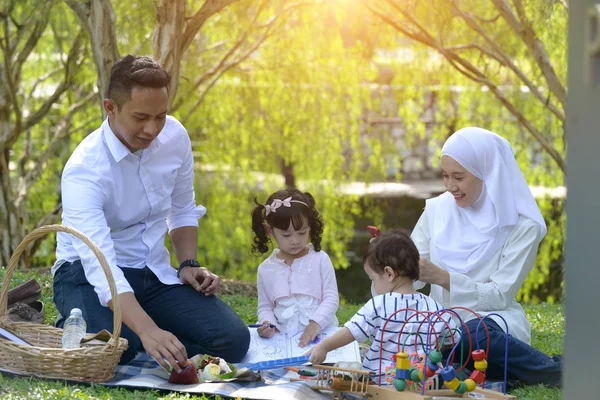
(70, 68)
(62, 131)
(472, 72)
(504, 59)
(524, 30)
(221, 72)
(194, 24)
(36, 33)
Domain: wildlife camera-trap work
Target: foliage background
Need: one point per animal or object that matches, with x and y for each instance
(302, 102)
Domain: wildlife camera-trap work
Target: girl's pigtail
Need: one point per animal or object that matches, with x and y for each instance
(261, 239)
(315, 221)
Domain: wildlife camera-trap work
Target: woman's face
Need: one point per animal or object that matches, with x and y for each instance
(463, 185)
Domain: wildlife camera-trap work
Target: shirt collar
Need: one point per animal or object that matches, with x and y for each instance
(273, 256)
(117, 149)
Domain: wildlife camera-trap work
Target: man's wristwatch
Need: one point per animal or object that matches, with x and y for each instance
(187, 263)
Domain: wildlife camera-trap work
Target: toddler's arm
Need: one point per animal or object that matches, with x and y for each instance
(339, 339)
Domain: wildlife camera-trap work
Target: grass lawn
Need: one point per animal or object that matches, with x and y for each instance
(547, 324)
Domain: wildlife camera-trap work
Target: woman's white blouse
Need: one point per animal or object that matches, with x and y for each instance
(492, 285)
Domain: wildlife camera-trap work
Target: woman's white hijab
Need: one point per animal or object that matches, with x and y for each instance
(464, 237)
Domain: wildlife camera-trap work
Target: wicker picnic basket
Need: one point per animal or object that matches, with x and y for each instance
(45, 357)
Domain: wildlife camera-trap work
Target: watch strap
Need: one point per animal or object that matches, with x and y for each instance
(187, 263)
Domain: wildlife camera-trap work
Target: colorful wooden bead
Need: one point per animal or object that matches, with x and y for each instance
(453, 384)
(461, 388)
(400, 384)
(478, 355)
(478, 377)
(431, 368)
(470, 383)
(481, 365)
(402, 374)
(402, 361)
(414, 374)
(448, 373)
(435, 356)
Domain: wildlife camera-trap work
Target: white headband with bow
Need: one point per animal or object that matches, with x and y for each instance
(276, 203)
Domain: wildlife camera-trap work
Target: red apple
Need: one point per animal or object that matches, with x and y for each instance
(187, 376)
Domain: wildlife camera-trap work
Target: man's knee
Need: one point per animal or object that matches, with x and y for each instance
(229, 341)
(134, 345)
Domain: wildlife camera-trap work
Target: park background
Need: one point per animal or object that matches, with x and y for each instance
(348, 99)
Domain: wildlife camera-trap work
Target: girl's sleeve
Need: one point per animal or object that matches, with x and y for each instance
(330, 298)
(517, 259)
(421, 237)
(265, 305)
(361, 324)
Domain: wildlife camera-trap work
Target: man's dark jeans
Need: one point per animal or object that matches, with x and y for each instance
(526, 364)
(203, 324)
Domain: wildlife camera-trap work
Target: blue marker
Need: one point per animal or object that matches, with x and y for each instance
(259, 325)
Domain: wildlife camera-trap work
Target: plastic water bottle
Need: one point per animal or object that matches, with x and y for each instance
(73, 330)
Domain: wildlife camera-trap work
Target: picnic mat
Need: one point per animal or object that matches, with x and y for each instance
(144, 373)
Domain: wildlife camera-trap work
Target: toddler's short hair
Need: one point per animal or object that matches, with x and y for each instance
(395, 249)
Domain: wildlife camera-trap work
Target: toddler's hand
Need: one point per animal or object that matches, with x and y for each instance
(265, 331)
(310, 333)
(317, 354)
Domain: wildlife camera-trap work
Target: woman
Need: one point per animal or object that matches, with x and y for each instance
(478, 241)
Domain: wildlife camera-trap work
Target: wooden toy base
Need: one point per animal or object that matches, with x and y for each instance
(384, 393)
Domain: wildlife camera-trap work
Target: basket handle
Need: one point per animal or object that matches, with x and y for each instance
(43, 231)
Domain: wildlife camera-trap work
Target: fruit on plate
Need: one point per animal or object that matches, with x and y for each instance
(212, 368)
(187, 376)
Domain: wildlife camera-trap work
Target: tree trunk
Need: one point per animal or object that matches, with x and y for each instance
(11, 233)
(167, 38)
(98, 17)
(287, 170)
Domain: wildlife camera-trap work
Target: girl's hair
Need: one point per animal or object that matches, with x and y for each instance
(302, 208)
(395, 249)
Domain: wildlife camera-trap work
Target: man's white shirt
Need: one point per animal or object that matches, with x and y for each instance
(125, 202)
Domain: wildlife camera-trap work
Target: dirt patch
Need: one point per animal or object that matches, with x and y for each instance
(230, 287)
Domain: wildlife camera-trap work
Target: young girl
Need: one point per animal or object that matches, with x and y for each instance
(297, 290)
(392, 264)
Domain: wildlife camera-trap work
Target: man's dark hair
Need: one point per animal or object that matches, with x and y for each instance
(131, 71)
(395, 249)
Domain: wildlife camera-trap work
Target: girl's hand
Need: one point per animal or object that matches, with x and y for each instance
(266, 331)
(431, 273)
(317, 353)
(310, 333)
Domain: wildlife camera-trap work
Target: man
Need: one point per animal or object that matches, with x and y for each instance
(125, 186)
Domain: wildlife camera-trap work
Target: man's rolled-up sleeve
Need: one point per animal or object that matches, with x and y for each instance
(184, 211)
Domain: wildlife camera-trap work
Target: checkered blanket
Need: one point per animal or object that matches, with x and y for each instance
(144, 372)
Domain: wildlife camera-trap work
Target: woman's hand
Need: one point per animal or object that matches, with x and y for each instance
(265, 331)
(310, 333)
(431, 273)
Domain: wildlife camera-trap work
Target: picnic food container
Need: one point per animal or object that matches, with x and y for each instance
(45, 357)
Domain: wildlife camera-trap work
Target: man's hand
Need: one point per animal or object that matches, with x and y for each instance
(310, 333)
(266, 331)
(161, 345)
(201, 279)
(318, 354)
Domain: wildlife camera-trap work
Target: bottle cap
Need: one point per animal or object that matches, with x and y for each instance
(76, 312)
